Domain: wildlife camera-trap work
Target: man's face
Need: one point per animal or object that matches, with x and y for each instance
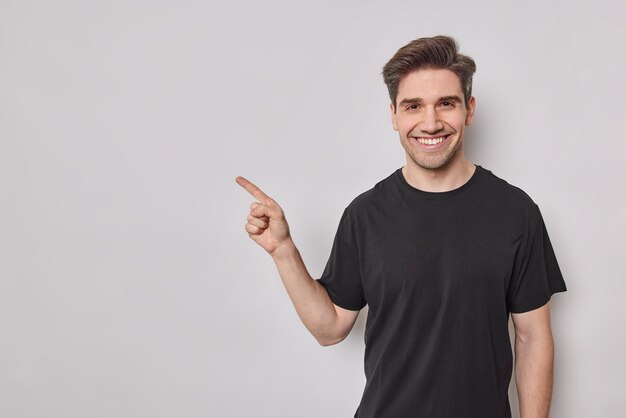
(431, 117)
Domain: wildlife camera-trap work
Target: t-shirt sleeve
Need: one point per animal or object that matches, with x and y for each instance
(537, 275)
(342, 274)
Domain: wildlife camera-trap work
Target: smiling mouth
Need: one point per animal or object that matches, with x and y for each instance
(431, 140)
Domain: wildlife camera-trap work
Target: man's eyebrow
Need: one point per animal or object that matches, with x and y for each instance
(410, 101)
(451, 98)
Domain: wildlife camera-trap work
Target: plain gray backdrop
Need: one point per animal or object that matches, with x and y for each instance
(128, 285)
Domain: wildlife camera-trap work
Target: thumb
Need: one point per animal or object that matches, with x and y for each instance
(259, 210)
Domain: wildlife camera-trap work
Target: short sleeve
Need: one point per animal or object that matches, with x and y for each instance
(342, 274)
(537, 275)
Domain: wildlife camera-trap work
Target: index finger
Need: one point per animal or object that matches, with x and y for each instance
(252, 189)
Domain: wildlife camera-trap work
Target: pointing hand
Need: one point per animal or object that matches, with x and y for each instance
(266, 225)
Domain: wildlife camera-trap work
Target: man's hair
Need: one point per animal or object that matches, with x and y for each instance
(436, 52)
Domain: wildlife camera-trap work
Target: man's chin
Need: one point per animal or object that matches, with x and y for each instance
(434, 163)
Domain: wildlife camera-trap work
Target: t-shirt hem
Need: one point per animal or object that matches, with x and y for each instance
(535, 305)
(351, 306)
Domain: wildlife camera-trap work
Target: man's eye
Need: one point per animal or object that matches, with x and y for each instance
(411, 107)
(447, 104)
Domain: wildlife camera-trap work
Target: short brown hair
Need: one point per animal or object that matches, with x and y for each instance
(435, 52)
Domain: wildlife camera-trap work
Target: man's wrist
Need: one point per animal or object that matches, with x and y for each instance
(285, 250)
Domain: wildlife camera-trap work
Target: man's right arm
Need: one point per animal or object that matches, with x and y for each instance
(328, 323)
(268, 227)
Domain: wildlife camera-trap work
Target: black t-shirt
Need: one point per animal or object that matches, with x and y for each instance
(440, 273)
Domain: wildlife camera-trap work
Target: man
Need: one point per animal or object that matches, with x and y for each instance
(441, 251)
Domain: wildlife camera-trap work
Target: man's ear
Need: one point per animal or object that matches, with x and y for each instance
(469, 116)
(394, 122)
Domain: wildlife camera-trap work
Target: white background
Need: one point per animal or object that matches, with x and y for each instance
(128, 285)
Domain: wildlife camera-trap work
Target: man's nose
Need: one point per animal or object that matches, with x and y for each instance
(430, 122)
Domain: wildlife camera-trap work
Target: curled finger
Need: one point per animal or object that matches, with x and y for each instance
(253, 229)
(260, 222)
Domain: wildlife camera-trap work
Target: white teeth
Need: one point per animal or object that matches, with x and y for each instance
(431, 141)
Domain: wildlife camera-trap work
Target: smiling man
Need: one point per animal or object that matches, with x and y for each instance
(431, 128)
(442, 251)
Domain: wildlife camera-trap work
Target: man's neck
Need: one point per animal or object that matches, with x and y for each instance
(444, 179)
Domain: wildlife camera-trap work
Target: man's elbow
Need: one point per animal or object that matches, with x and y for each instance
(325, 342)
(336, 331)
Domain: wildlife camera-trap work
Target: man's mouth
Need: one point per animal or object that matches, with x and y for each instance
(431, 140)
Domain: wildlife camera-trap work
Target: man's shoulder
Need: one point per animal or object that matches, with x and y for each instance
(508, 202)
(506, 193)
(372, 197)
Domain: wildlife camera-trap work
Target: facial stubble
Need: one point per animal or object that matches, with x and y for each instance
(427, 163)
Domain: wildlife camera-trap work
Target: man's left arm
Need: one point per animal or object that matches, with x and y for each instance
(534, 359)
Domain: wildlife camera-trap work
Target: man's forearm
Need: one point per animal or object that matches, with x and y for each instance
(311, 300)
(534, 360)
